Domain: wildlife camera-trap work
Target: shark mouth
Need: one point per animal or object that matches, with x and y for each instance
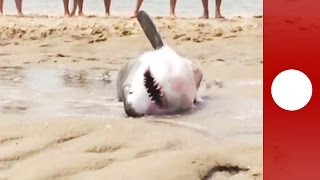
(153, 89)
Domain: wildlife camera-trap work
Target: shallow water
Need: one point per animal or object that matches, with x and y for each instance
(226, 111)
(154, 7)
(40, 91)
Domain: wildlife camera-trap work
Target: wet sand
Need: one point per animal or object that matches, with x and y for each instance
(59, 118)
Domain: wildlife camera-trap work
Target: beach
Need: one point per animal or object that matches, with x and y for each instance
(60, 119)
(186, 8)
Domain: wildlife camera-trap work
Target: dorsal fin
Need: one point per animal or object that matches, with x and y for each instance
(150, 30)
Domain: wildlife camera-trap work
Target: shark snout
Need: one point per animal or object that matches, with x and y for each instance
(130, 111)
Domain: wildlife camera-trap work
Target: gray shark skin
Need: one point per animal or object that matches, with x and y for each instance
(159, 82)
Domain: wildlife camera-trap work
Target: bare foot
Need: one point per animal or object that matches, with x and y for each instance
(81, 14)
(72, 14)
(20, 14)
(107, 14)
(1, 13)
(205, 15)
(66, 15)
(173, 16)
(219, 16)
(135, 14)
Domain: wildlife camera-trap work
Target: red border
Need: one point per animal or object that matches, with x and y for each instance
(291, 41)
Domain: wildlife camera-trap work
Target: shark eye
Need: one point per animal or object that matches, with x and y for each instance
(127, 89)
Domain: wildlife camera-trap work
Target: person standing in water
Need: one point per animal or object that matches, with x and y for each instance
(18, 5)
(76, 3)
(172, 8)
(206, 10)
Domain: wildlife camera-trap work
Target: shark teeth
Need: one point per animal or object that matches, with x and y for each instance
(153, 88)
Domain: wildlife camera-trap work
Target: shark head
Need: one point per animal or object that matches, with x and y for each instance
(165, 83)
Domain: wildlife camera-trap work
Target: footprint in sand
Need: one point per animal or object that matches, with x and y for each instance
(62, 55)
(236, 29)
(126, 33)
(10, 139)
(107, 148)
(186, 39)
(178, 36)
(45, 45)
(96, 31)
(218, 32)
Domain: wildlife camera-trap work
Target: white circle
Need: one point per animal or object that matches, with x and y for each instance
(291, 90)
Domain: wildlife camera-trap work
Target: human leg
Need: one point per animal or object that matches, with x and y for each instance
(172, 8)
(19, 7)
(107, 4)
(80, 12)
(75, 6)
(1, 7)
(205, 9)
(66, 8)
(218, 13)
(136, 11)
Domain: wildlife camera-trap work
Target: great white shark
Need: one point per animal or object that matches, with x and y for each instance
(158, 82)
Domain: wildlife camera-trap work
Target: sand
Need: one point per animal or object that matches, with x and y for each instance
(94, 139)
